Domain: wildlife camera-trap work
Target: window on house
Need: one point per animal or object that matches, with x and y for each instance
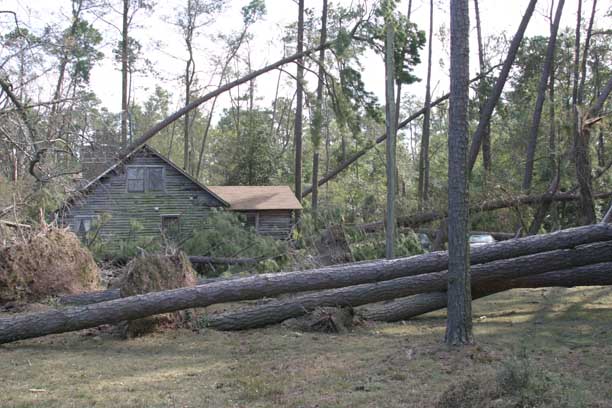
(155, 179)
(251, 219)
(136, 179)
(145, 178)
(171, 226)
(83, 224)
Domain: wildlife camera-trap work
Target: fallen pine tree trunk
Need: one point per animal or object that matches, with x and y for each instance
(89, 298)
(379, 270)
(412, 306)
(268, 285)
(496, 271)
(418, 219)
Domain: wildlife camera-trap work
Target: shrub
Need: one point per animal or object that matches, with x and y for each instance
(225, 234)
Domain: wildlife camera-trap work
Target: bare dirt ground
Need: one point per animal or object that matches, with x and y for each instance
(562, 336)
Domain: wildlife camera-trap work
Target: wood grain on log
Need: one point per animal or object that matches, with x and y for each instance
(412, 306)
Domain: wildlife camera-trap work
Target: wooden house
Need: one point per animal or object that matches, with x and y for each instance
(146, 194)
(269, 209)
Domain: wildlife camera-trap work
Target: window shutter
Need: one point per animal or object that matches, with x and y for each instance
(135, 179)
(155, 179)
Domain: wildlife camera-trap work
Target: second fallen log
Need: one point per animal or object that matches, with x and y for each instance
(412, 306)
(280, 310)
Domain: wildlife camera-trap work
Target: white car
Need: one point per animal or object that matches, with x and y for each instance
(480, 240)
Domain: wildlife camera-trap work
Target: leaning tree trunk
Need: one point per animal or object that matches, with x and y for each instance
(317, 124)
(391, 136)
(482, 274)
(489, 107)
(268, 285)
(297, 129)
(412, 306)
(537, 112)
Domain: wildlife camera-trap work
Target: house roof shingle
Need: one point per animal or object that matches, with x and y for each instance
(258, 197)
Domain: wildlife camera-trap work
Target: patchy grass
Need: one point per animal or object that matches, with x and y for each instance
(544, 347)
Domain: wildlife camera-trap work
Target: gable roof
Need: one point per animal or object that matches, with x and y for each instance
(258, 197)
(161, 157)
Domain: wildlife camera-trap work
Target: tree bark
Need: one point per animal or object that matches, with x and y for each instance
(391, 135)
(268, 285)
(482, 90)
(459, 322)
(297, 130)
(483, 274)
(537, 112)
(489, 107)
(423, 183)
(124, 72)
(317, 126)
(412, 306)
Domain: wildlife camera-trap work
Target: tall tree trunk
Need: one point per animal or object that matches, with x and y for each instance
(489, 107)
(537, 112)
(459, 322)
(601, 152)
(189, 71)
(124, 72)
(423, 184)
(482, 92)
(585, 54)
(398, 83)
(581, 154)
(299, 102)
(318, 116)
(391, 133)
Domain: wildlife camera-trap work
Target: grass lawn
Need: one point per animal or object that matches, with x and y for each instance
(561, 337)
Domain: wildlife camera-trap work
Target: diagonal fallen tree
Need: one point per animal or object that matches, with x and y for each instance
(372, 271)
(481, 274)
(269, 285)
(412, 306)
(358, 154)
(418, 219)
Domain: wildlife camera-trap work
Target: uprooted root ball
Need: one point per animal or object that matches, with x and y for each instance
(154, 273)
(49, 262)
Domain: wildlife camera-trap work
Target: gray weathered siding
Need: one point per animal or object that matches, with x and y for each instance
(274, 223)
(181, 197)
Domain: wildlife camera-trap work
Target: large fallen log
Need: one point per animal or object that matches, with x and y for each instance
(418, 219)
(372, 271)
(481, 274)
(268, 285)
(89, 298)
(412, 306)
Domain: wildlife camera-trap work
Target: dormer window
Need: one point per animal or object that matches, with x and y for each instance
(145, 178)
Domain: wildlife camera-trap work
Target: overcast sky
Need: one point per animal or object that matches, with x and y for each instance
(163, 45)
